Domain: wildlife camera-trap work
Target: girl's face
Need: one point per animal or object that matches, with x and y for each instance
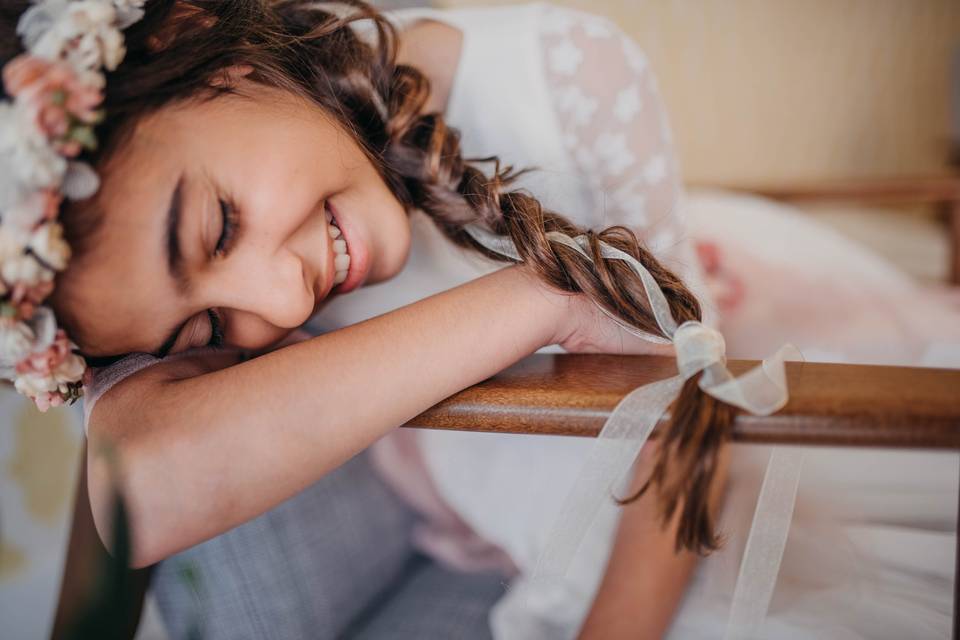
(214, 219)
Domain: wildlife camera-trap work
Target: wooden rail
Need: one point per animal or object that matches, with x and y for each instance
(830, 404)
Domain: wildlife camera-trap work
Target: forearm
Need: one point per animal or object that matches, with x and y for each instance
(645, 578)
(206, 453)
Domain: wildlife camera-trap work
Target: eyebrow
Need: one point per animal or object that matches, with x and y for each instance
(174, 259)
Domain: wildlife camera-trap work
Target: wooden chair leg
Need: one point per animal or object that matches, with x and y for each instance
(955, 242)
(84, 566)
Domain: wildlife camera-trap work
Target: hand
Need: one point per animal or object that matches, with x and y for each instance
(584, 328)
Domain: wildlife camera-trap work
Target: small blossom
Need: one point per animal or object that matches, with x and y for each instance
(53, 361)
(35, 208)
(70, 369)
(13, 241)
(128, 12)
(48, 399)
(16, 341)
(55, 94)
(24, 271)
(27, 161)
(49, 246)
(82, 32)
(35, 386)
(26, 299)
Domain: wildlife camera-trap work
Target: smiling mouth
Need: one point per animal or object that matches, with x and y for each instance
(341, 259)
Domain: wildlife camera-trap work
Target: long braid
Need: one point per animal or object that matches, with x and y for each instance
(425, 151)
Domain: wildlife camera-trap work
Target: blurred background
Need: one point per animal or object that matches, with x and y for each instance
(790, 98)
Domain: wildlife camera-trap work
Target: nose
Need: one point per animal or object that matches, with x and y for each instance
(270, 289)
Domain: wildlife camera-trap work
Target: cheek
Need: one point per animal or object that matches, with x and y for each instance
(250, 331)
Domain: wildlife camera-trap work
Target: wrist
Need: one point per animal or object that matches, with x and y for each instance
(551, 307)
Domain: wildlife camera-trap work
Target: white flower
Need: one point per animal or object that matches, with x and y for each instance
(565, 58)
(84, 32)
(26, 213)
(48, 244)
(39, 20)
(13, 240)
(33, 385)
(24, 270)
(70, 370)
(128, 12)
(27, 161)
(16, 342)
(627, 103)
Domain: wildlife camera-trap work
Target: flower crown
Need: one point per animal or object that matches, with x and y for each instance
(56, 87)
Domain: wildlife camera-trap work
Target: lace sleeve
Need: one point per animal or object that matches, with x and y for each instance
(614, 125)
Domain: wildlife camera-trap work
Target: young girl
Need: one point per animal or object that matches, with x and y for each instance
(258, 162)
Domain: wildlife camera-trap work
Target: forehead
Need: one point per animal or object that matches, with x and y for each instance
(119, 287)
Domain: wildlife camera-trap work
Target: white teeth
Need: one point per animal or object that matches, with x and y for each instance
(341, 259)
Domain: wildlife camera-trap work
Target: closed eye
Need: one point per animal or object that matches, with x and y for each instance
(216, 329)
(228, 228)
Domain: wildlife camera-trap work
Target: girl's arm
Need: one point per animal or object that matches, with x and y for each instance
(200, 450)
(645, 577)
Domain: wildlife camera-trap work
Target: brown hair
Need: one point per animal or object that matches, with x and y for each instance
(181, 46)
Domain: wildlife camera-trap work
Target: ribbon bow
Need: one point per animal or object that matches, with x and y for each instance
(760, 391)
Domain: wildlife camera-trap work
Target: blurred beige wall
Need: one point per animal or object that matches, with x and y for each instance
(786, 90)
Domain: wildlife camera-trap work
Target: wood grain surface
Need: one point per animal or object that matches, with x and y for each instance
(830, 404)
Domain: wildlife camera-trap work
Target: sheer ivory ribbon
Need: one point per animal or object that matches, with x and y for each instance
(760, 391)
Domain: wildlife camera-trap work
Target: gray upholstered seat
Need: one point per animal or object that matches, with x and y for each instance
(334, 561)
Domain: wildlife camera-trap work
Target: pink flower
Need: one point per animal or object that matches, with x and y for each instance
(48, 399)
(56, 95)
(26, 299)
(45, 363)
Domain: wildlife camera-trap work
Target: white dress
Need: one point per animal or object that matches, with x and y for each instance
(871, 549)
